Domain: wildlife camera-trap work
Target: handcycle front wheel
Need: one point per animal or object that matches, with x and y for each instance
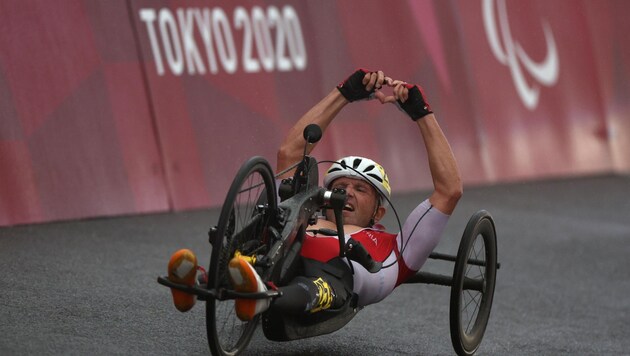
(244, 219)
(474, 278)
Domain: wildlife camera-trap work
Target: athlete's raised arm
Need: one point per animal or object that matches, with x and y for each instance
(361, 85)
(444, 171)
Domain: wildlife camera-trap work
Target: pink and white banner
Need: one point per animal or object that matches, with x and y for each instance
(120, 107)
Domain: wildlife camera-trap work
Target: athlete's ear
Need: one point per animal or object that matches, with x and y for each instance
(379, 213)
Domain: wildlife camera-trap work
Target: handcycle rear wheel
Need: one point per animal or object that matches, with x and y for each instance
(242, 224)
(476, 261)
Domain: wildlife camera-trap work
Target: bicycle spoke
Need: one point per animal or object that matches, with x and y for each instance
(473, 299)
(477, 252)
(476, 272)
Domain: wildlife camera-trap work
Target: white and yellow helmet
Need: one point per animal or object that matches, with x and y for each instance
(369, 171)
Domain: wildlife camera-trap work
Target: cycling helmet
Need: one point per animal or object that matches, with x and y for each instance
(370, 171)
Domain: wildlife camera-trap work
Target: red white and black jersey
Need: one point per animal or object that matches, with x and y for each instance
(402, 254)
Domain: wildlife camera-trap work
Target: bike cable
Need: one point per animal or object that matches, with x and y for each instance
(286, 170)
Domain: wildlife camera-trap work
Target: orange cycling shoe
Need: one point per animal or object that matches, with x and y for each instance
(245, 279)
(182, 269)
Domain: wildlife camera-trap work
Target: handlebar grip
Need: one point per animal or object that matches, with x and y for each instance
(335, 198)
(312, 133)
(358, 253)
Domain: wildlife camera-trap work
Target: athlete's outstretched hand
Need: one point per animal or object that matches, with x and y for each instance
(363, 85)
(409, 98)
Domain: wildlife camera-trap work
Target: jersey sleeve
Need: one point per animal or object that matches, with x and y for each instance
(420, 234)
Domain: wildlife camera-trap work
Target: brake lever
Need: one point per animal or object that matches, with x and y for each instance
(337, 200)
(358, 253)
(353, 249)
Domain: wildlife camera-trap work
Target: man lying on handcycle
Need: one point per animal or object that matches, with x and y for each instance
(327, 280)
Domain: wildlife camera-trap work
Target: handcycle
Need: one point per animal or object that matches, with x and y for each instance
(254, 223)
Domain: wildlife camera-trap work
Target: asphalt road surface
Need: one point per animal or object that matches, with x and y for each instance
(89, 287)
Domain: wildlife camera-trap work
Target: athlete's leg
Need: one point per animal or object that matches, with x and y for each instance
(319, 290)
(304, 294)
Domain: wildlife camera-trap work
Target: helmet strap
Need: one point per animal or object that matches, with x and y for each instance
(378, 204)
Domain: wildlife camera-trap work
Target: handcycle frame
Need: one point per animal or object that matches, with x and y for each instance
(273, 234)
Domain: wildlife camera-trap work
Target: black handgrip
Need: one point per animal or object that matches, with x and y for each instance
(357, 252)
(312, 133)
(336, 199)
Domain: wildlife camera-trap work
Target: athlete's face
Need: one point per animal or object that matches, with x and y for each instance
(362, 205)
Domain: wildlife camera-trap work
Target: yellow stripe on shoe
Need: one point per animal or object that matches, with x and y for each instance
(245, 280)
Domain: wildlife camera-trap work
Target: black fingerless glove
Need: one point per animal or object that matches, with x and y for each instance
(353, 88)
(416, 105)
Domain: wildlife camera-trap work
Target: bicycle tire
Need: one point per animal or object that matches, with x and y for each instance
(478, 242)
(252, 187)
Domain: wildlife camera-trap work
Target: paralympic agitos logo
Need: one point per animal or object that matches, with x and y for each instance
(509, 52)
